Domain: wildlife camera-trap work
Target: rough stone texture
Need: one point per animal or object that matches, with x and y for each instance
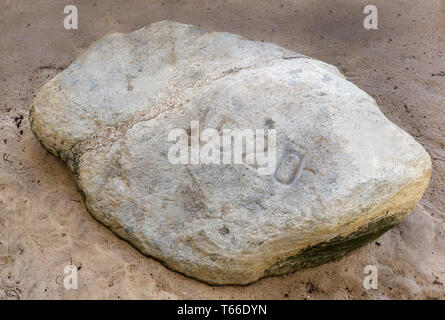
(109, 114)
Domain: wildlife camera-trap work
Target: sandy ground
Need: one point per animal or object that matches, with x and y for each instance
(44, 225)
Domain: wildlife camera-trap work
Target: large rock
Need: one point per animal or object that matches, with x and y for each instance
(345, 174)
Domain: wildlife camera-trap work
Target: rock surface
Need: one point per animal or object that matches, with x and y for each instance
(108, 115)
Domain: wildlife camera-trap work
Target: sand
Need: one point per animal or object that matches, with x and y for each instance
(44, 225)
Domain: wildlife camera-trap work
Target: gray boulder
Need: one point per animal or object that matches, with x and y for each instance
(343, 174)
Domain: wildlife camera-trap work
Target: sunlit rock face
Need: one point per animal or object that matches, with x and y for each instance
(342, 173)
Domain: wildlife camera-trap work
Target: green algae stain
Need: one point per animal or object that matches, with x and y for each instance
(336, 248)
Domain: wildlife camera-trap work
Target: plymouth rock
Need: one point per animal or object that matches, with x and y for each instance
(343, 173)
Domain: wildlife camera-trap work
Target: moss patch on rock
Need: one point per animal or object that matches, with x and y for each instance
(336, 248)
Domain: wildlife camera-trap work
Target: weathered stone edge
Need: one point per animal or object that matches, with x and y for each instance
(336, 248)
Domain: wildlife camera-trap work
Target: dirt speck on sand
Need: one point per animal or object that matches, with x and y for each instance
(44, 225)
